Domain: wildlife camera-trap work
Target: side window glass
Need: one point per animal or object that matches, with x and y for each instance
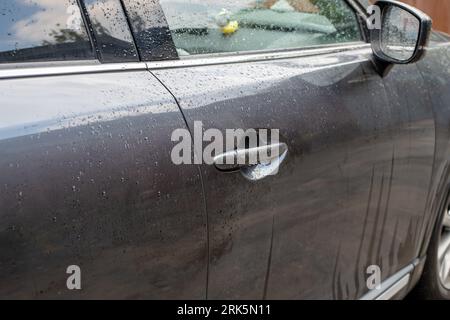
(216, 26)
(111, 31)
(42, 30)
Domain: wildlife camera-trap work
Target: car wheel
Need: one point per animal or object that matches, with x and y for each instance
(435, 281)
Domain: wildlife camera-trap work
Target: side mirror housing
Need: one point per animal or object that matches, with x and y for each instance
(403, 35)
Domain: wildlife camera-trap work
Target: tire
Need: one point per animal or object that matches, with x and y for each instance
(435, 281)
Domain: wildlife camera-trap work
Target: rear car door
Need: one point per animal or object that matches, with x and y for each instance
(86, 178)
(353, 189)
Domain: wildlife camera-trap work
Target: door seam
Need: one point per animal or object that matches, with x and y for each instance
(205, 205)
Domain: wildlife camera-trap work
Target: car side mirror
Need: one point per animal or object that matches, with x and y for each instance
(403, 35)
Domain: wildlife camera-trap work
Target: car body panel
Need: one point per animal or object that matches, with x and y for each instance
(435, 69)
(86, 179)
(358, 169)
(86, 176)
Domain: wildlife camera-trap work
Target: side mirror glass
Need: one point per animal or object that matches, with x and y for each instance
(403, 35)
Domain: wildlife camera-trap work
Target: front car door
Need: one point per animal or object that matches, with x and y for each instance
(353, 188)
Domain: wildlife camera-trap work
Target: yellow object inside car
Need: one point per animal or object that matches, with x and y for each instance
(230, 28)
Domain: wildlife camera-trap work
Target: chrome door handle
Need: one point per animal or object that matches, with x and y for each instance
(253, 163)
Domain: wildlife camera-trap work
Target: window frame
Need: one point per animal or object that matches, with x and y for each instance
(94, 61)
(170, 61)
(101, 54)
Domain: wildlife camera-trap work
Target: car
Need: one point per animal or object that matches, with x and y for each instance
(93, 94)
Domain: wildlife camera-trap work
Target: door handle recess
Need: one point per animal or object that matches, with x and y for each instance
(253, 163)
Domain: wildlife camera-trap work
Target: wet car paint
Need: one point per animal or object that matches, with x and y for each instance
(435, 69)
(352, 192)
(86, 179)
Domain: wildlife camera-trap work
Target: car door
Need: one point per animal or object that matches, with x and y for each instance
(87, 186)
(352, 190)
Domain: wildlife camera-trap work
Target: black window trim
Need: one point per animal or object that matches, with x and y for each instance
(99, 52)
(133, 36)
(89, 30)
(87, 25)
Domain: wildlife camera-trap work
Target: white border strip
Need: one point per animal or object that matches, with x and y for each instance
(396, 288)
(391, 286)
(74, 69)
(207, 60)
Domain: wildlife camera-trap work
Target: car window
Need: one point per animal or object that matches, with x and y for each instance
(216, 26)
(42, 30)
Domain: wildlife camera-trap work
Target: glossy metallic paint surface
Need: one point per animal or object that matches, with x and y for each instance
(86, 176)
(352, 191)
(86, 179)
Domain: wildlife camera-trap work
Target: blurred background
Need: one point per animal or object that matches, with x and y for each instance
(439, 10)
